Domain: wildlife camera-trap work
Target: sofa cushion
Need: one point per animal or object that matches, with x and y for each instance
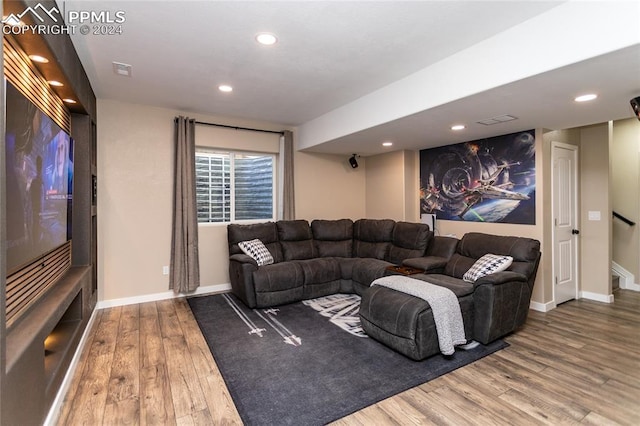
(321, 276)
(333, 238)
(365, 270)
(524, 251)
(346, 266)
(458, 265)
(278, 277)
(266, 232)
(476, 245)
(486, 265)
(320, 270)
(372, 238)
(459, 287)
(295, 239)
(409, 240)
(257, 251)
(427, 263)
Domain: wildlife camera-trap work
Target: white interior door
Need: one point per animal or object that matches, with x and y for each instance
(564, 179)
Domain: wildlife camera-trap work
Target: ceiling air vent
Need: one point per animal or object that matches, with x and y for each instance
(122, 69)
(498, 119)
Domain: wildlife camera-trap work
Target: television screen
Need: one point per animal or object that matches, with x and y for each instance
(39, 169)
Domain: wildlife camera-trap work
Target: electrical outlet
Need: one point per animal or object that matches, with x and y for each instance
(165, 270)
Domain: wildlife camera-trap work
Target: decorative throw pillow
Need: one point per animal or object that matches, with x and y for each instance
(487, 264)
(257, 251)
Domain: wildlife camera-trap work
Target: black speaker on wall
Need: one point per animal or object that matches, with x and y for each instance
(353, 161)
(635, 104)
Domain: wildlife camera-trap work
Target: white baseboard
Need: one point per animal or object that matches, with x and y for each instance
(627, 279)
(217, 288)
(542, 307)
(631, 286)
(54, 411)
(605, 298)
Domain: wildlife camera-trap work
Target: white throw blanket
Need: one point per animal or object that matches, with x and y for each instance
(444, 305)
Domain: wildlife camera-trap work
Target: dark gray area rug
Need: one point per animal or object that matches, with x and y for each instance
(309, 363)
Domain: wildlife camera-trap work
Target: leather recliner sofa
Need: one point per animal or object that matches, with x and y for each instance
(327, 257)
(342, 256)
(492, 306)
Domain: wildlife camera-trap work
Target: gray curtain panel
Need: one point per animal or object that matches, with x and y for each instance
(288, 193)
(185, 266)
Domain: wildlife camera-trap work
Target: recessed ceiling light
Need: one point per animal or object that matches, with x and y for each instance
(69, 101)
(585, 98)
(225, 88)
(458, 127)
(266, 39)
(38, 58)
(55, 83)
(387, 143)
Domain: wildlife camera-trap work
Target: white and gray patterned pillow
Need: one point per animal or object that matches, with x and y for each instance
(257, 251)
(487, 264)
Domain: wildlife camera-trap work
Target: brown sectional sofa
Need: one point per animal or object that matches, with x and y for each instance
(342, 256)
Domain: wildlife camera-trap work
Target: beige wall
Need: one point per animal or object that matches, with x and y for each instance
(625, 193)
(385, 186)
(326, 187)
(595, 236)
(392, 186)
(135, 161)
(134, 199)
(239, 140)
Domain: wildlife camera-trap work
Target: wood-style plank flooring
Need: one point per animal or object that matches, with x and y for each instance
(578, 364)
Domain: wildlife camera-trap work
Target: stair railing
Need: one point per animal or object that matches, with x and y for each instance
(624, 219)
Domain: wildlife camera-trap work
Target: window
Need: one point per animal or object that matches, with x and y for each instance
(233, 186)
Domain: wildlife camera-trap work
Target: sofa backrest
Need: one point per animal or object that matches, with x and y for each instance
(333, 238)
(474, 245)
(295, 239)
(372, 237)
(408, 240)
(266, 232)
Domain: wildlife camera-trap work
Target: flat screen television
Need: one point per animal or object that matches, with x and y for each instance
(39, 182)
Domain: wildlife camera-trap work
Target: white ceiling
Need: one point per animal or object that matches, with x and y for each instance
(331, 54)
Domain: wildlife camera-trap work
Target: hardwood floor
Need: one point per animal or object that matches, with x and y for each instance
(578, 364)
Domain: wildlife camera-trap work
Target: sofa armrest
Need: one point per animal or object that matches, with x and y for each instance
(500, 278)
(442, 247)
(241, 269)
(430, 264)
(243, 258)
(500, 304)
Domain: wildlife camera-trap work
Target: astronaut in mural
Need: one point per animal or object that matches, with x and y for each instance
(473, 180)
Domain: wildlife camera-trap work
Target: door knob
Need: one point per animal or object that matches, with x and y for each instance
(575, 231)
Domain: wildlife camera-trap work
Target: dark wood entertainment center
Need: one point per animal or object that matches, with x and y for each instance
(38, 344)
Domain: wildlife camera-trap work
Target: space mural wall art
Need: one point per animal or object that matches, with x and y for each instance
(487, 180)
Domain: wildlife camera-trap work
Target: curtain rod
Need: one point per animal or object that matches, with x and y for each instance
(241, 128)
